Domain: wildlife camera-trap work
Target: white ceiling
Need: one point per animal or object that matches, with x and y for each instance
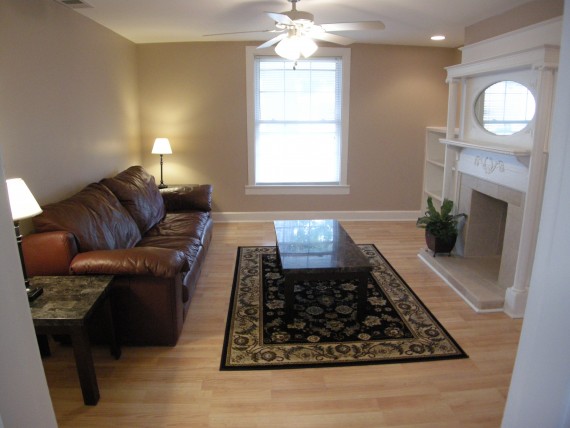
(409, 22)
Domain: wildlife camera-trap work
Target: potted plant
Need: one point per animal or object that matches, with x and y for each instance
(440, 226)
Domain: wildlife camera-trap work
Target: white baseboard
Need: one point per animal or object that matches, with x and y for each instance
(264, 216)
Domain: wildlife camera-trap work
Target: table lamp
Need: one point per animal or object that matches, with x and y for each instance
(23, 205)
(161, 147)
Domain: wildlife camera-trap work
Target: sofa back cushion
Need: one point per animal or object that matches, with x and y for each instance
(188, 198)
(139, 194)
(96, 218)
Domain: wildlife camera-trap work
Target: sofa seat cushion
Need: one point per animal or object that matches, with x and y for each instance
(191, 224)
(189, 246)
(157, 262)
(94, 216)
(139, 194)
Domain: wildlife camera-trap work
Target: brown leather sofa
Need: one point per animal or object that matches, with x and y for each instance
(154, 242)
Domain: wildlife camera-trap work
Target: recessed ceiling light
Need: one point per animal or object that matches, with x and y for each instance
(438, 37)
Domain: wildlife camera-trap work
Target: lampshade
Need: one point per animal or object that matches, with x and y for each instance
(161, 147)
(308, 46)
(294, 46)
(22, 202)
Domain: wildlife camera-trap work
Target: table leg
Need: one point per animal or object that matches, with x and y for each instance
(43, 344)
(85, 366)
(289, 289)
(110, 327)
(362, 295)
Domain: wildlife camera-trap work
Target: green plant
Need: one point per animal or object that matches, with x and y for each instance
(442, 224)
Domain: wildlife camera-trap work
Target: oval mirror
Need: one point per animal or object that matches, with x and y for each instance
(505, 107)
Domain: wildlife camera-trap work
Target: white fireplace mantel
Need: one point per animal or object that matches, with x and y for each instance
(495, 147)
(516, 161)
(503, 169)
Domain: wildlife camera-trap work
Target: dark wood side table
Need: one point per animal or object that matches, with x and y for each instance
(64, 308)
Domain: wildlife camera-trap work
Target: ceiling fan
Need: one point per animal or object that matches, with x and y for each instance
(297, 31)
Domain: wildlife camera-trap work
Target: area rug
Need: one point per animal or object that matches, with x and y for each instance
(325, 332)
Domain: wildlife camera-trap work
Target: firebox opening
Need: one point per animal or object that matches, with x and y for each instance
(486, 226)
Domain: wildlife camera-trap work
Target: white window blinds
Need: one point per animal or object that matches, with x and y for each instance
(298, 121)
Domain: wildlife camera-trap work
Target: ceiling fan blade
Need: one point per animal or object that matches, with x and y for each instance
(243, 32)
(272, 41)
(354, 26)
(333, 38)
(280, 18)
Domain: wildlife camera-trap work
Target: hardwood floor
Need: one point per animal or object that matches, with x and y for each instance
(183, 387)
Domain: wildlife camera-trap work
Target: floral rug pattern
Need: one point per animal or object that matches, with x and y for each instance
(326, 331)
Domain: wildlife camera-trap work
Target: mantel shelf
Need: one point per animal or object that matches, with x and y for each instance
(504, 149)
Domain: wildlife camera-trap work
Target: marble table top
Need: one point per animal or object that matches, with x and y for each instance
(67, 299)
(317, 246)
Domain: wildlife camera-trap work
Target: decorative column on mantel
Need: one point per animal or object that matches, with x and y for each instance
(451, 153)
(516, 296)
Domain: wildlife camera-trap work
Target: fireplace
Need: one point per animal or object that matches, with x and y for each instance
(483, 267)
(487, 219)
(492, 266)
(493, 228)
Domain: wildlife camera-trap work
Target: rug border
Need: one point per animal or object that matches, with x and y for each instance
(230, 308)
(223, 367)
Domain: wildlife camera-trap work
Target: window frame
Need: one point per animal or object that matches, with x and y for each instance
(342, 188)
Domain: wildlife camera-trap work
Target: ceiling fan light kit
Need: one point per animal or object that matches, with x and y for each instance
(298, 30)
(295, 46)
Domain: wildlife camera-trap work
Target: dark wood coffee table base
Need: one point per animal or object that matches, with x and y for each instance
(310, 250)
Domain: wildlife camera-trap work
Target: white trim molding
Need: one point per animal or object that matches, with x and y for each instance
(298, 190)
(265, 216)
(543, 33)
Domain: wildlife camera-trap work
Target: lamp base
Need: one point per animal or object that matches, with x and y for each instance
(162, 186)
(34, 293)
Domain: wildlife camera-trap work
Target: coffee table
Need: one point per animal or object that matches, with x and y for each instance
(319, 250)
(64, 308)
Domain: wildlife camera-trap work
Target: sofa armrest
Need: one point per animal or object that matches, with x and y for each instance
(152, 261)
(187, 198)
(49, 253)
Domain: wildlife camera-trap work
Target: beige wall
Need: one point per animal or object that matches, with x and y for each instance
(68, 98)
(69, 112)
(194, 94)
(519, 17)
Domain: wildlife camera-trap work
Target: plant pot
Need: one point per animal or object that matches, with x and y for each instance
(440, 245)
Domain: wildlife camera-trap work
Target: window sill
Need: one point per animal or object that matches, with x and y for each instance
(298, 190)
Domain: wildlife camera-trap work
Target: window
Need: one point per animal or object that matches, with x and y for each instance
(298, 123)
(505, 107)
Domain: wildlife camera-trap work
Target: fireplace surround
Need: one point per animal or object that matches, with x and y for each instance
(497, 180)
(483, 265)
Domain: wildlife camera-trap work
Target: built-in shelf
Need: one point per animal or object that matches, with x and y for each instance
(434, 195)
(505, 149)
(434, 162)
(434, 165)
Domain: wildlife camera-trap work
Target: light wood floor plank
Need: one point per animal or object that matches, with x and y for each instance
(183, 387)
